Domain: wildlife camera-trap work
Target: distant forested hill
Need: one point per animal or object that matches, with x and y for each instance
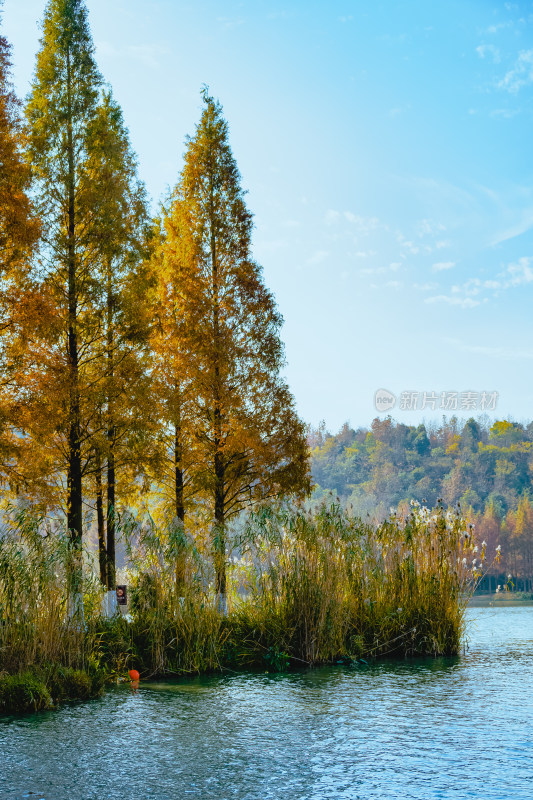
(485, 466)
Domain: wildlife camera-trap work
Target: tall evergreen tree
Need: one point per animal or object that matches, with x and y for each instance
(19, 227)
(87, 389)
(176, 475)
(19, 231)
(249, 442)
(60, 111)
(117, 246)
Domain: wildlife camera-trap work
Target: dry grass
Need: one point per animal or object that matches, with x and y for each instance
(313, 588)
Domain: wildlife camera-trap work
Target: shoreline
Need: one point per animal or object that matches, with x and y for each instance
(499, 599)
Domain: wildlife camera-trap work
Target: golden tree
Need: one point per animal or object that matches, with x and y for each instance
(60, 111)
(117, 246)
(19, 231)
(249, 444)
(174, 393)
(83, 371)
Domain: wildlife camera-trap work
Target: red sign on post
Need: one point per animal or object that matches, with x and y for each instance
(122, 596)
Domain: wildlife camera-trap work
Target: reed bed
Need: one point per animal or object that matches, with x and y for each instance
(307, 588)
(327, 586)
(37, 623)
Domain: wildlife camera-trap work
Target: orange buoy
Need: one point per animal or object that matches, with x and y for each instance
(134, 675)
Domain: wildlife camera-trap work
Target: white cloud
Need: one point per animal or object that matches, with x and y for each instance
(517, 274)
(522, 226)
(504, 113)
(425, 287)
(427, 227)
(363, 226)
(489, 50)
(394, 112)
(228, 22)
(463, 302)
(521, 272)
(411, 247)
(350, 217)
(471, 287)
(521, 75)
(318, 257)
(442, 265)
(372, 271)
(331, 216)
(394, 267)
(147, 54)
(279, 15)
(492, 352)
(499, 26)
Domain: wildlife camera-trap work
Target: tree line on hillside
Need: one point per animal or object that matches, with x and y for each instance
(484, 466)
(137, 354)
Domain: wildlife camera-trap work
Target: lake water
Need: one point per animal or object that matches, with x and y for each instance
(446, 728)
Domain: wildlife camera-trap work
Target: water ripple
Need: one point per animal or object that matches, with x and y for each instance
(428, 729)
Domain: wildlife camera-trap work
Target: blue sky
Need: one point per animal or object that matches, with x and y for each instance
(386, 148)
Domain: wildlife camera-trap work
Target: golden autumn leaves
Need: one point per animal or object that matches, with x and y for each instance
(224, 388)
(155, 359)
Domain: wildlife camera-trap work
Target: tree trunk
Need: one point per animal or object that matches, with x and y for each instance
(111, 556)
(219, 538)
(219, 530)
(102, 554)
(178, 455)
(74, 477)
(180, 511)
(111, 517)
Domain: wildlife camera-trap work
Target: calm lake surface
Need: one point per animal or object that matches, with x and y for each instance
(446, 728)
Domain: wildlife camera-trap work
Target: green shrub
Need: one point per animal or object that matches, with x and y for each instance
(23, 692)
(66, 683)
